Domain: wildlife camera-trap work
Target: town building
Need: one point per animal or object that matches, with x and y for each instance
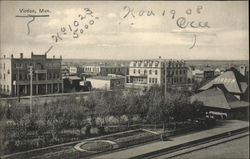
(106, 82)
(203, 75)
(104, 70)
(219, 100)
(144, 73)
(91, 69)
(72, 70)
(117, 70)
(234, 82)
(15, 75)
(227, 93)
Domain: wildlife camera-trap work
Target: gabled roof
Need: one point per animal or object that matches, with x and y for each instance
(233, 81)
(217, 96)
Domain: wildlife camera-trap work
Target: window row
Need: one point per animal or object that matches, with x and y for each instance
(26, 76)
(152, 80)
(38, 65)
(145, 72)
(176, 72)
(156, 64)
(90, 69)
(4, 88)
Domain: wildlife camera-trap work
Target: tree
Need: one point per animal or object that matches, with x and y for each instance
(117, 105)
(132, 101)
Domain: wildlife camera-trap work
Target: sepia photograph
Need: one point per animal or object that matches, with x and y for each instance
(124, 79)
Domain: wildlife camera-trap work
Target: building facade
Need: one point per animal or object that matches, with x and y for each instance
(107, 82)
(91, 69)
(105, 70)
(117, 70)
(150, 72)
(15, 75)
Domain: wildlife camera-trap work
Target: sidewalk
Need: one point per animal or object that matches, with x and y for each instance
(222, 127)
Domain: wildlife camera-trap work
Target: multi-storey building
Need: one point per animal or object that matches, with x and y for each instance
(15, 75)
(105, 70)
(92, 69)
(150, 72)
(204, 75)
(117, 70)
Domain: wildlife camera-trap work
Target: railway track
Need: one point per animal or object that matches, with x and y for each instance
(188, 148)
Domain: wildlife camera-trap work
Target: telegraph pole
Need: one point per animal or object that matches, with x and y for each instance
(31, 90)
(17, 83)
(165, 88)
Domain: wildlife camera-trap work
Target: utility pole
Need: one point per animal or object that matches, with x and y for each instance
(165, 88)
(31, 90)
(18, 87)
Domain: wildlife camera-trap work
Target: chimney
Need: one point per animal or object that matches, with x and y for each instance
(12, 56)
(60, 56)
(159, 57)
(53, 56)
(32, 54)
(21, 55)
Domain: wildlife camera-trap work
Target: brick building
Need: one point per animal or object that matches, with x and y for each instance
(150, 72)
(15, 75)
(117, 70)
(105, 70)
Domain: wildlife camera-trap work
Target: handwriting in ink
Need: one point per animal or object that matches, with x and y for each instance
(182, 23)
(77, 27)
(30, 16)
(131, 12)
(193, 42)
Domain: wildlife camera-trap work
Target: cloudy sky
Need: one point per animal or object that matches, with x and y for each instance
(114, 37)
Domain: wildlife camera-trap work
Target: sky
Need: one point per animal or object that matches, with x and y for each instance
(113, 35)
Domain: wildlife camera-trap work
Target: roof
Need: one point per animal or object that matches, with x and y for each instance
(218, 97)
(104, 77)
(233, 81)
(74, 78)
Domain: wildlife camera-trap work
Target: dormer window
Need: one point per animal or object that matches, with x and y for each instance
(156, 64)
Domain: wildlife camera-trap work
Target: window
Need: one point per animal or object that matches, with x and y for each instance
(150, 72)
(156, 64)
(145, 72)
(134, 71)
(4, 66)
(156, 72)
(4, 76)
(180, 71)
(149, 80)
(176, 72)
(139, 71)
(156, 80)
(153, 80)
